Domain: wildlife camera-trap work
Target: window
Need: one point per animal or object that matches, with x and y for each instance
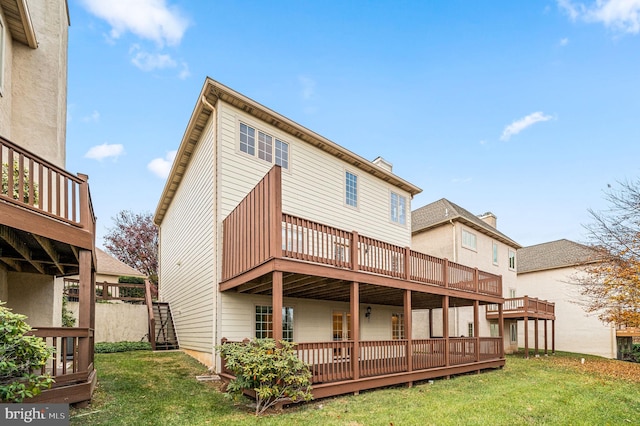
(397, 327)
(513, 331)
(468, 240)
(351, 189)
(247, 139)
(270, 149)
(512, 293)
(494, 329)
(341, 326)
(264, 323)
(495, 253)
(512, 259)
(398, 208)
(470, 329)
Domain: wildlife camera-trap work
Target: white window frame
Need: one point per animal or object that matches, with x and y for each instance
(512, 293)
(288, 336)
(275, 153)
(494, 252)
(513, 332)
(470, 329)
(347, 194)
(398, 208)
(512, 260)
(397, 330)
(465, 244)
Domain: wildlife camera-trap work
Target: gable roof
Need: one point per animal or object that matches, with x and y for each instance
(213, 92)
(109, 265)
(553, 255)
(442, 211)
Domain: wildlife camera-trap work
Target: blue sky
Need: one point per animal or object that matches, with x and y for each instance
(525, 109)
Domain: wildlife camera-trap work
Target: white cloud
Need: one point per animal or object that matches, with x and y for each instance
(564, 41)
(521, 124)
(150, 61)
(620, 15)
(184, 72)
(149, 19)
(94, 117)
(308, 87)
(162, 166)
(100, 152)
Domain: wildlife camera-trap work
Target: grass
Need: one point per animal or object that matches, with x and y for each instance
(147, 388)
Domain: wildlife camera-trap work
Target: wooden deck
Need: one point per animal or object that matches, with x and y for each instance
(521, 307)
(270, 252)
(390, 362)
(47, 227)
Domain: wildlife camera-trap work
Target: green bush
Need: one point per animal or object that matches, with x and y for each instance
(108, 347)
(20, 356)
(274, 373)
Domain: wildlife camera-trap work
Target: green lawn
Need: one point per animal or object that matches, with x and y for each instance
(146, 388)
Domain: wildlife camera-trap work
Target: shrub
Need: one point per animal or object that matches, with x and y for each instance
(20, 356)
(108, 347)
(274, 373)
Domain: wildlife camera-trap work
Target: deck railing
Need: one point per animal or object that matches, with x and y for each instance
(127, 292)
(523, 305)
(33, 183)
(257, 230)
(68, 363)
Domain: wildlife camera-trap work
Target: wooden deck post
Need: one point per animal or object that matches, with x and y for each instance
(353, 257)
(475, 279)
(501, 329)
(407, 329)
(407, 263)
(445, 328)
(526, 336)
(445, 273)
(84, 315)
(545, 337)
(553, 337)
(535, 329)
(430, 323)
(354, 331)
(276, 297)
(476, 325)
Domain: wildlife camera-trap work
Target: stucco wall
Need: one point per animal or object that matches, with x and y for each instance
(36, 296)
(575, 330)
(118, 321)
(39, 96)
(5, 89)
(438, 242)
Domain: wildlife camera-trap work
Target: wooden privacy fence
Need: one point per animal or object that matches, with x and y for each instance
(38, 185)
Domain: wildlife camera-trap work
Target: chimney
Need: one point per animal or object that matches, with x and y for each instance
(490, 219)
(382, 163)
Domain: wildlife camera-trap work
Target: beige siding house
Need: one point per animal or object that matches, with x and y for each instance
(550, 270)
(47, 226)
(268, 229)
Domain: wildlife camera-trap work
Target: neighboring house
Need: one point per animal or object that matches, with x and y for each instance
(115, 320)
(47, 227)
(446, 230)
(550, 270)
(268, 229)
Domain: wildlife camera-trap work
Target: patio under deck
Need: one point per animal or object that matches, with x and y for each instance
(47, 227)
(268, 252)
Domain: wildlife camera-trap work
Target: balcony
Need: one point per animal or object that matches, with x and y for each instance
(272, 253)
(47, 229)
(521, 307)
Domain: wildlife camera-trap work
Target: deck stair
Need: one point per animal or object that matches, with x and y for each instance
(164, 332)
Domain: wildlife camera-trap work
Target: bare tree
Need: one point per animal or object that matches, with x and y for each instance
(134, 241)
(612, 284)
